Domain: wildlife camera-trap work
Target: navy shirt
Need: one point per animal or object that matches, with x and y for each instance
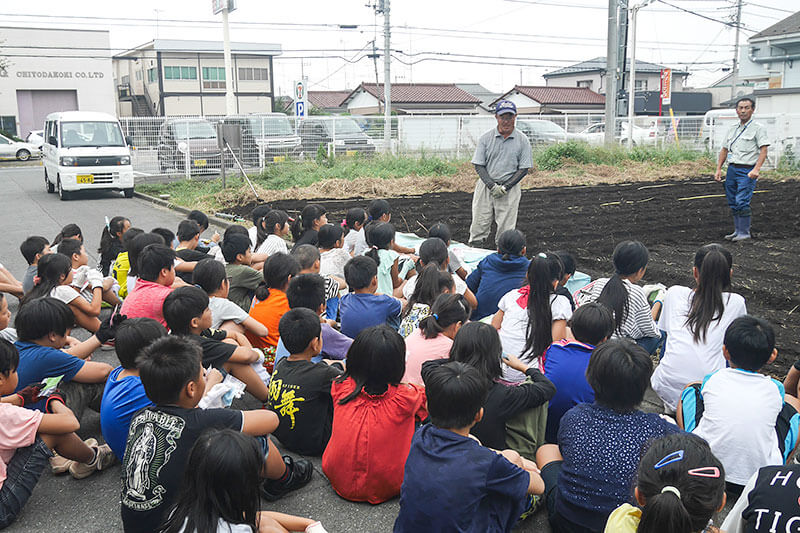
(452, 483)
(37, 362)
(493, 278)
(565, 365)
(362, 310)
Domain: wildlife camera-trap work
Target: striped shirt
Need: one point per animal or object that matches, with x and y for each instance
(639, 322)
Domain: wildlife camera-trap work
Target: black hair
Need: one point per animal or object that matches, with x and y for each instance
(181, 306)
(266, 224)
(52, 269)
(278, 269)
(355, 214)
(306, 290)
(235, 229)
(568, 260)
(619, 373)
(233, 245)
(591, 323)
(41, 316)
(305, 220)
(433, 250)
(328, 235)
(209, 274)
(713, 264)
(167, 234)
(455, 392)
(375, 360)
(199, 217)
(379, 236)
(133, 335)
(478, 345)
(131, 234)
(430, 283)
(448, 309)
(70, 230)
(629, 258)
(359, 271)
(9, 358)
(31, 246)
(378, 208)
(153, 259)
(700, 496)
(306, 255)
(220, 483)
(747, 99)
(137, 245)
(510, 244)
(750, 342)
(298, 327)
(166, 365)
(258, 212)
(543, 271)
(109, 236)
(70, 246)
(188, 230)
(440, 230)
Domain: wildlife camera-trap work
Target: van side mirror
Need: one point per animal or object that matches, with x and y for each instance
(52, 140)
(129, 140)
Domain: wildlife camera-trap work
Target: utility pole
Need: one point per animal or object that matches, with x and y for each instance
(612, 74)
(230, 101)
(387, 84)
(735, 71)
(632, 83)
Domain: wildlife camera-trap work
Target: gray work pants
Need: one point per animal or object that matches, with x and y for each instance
(484, 207)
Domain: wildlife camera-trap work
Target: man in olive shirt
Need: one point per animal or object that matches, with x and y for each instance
(745, 150)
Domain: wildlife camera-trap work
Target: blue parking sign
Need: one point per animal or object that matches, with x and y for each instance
(300, 109)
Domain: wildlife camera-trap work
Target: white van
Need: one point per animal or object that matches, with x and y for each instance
(716, 121)
(85, 151)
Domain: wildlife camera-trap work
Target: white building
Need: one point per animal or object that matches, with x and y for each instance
(52, 70)
(180, 77)
(591, 74)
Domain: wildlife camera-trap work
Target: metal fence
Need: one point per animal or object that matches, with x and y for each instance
(187, 145)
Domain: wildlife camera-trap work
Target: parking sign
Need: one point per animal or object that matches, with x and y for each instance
(300, 109)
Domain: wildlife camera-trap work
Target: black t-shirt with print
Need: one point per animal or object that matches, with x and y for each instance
(189, 255)
(159, 440)
(773, 502)
(300, 394)
(215, 352)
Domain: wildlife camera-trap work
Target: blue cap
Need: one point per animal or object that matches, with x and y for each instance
(505, 106)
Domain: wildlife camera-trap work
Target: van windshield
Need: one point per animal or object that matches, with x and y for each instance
(270, 126)
(344, 126)
(74, 134)
(194, 130)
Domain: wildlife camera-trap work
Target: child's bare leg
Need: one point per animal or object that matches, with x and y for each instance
(69, 445)
(89, 323)
(230, 325)
(791, 382)
(548, 453)
(290, 522)
(247, 375)
(267, 524)
(274, 467)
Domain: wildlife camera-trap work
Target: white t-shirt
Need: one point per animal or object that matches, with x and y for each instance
(408, 288)
(684, 360)
(739, 421)
(223, 309)
(515, 324)
(253, 233)
(273, 245)
(331, 262)
(355, 242)
(216, 252)
(225, 527)
(65, 293)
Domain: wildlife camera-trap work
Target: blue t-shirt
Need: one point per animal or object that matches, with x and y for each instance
(362, 310)
(565, 365)
(601, 449)
(37, 362)
(493, 278)
(122, 398)
(452, 483)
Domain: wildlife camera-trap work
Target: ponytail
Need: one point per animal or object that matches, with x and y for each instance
(305, 220)
(109, 235)
(713, 263)
(379, 236)
(543, 271)
(51, 270)
(278, 269)
(430, 283)
(68, 231)
(629, 257)
(665, 513)
(266, 224)
(448, 309)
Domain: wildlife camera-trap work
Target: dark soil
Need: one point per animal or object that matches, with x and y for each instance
(667, 217)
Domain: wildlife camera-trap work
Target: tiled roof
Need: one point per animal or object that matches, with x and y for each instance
(599, 63)
(327, 99)
(421, 93)
(790, 24)
(560, 95)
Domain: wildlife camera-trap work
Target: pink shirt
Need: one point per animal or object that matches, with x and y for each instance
(17, 430)
(419, 349)
(146, 301)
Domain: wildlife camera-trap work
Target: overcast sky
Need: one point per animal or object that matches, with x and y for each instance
(531, 37)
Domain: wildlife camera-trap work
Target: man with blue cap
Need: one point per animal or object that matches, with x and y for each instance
(502, 158)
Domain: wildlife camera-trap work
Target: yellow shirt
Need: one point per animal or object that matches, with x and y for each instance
(624, 519)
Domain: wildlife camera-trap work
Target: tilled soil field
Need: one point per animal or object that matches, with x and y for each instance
(672, 218)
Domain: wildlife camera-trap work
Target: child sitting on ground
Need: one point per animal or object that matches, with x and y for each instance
(155, 268)
(430, 283)
(243, 279)
(355, 242)
(380, 238)
(111, 242)
(454, 266)
(201, 218)
(565, 361)
(32, 249)
(299, 390)
(568, 262)
(70, 231)
(188, 241)
(332, 255)
(29, 436)
(362, 308)
(743, 415)
(272, 230)
(161, 436)
(135, 247)
(306, 226)
(433, 251)
(592, 469)
(82, 274)
(451, 482)
(768, 501)
(121, 266)
(256, 215)
(308, 257)
(499, 273)
(380, 211)
(374, 417)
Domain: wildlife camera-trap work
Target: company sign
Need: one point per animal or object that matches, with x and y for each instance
(58, 74)
(666, 86)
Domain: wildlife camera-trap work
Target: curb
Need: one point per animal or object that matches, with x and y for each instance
(220, 222)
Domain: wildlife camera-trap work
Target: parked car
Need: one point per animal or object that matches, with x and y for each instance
(21, 151)
(188, 140)
(270, 133)
(36, 138)
(595, 134)
(717, 122)
(542, 132)
(344, 134)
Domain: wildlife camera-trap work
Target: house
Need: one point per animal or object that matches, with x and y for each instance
(481, 93)
(328, 101)
(413, 99)
(721, 89)
(591, 74)
(186, 77)
(553, 100)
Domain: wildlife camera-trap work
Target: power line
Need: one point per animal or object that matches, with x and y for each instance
(767, 7)
(725, 22)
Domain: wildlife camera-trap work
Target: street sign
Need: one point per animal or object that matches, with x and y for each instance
(299, 91)
(300, 109)
(666, 86)
(300, 103)
(218, 5)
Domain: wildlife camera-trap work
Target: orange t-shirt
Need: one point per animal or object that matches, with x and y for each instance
(269, 313)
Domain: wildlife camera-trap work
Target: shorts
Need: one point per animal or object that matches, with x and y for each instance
(550, 474)
(263, 441)
(22, 474)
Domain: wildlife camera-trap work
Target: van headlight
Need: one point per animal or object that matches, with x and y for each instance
(68, 161)
(182, 147)
(125, 160)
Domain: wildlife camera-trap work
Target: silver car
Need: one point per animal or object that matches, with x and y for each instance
(21, 151)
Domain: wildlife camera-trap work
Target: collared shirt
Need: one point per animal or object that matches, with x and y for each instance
(744, 141)
(503, 157)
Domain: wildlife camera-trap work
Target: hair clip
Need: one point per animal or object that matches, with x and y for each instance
(705, 471)
(669, 458)
(435, 316)
(344, 223)
(542, 255)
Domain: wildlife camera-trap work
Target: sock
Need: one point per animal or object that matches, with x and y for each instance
(94, 459)
(285, 476)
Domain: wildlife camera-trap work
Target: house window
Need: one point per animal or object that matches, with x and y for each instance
(8, 124)
(640, 85)
(152, 75)
(213, 77)
(180, 73)
(138, 75)
(126, 80)
(253, 74)
(587, 84)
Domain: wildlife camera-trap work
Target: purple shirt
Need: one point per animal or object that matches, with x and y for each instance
(334, 346)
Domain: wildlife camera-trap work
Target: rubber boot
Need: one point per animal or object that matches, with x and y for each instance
(730, 236)
(744, 229)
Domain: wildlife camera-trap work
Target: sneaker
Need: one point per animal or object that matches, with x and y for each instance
(60, 465)
(105, 458)
(316, 527)
(730, 236)
(534, 504)
(108, 346)
(300, 471)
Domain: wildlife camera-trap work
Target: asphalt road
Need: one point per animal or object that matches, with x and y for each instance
(92, 504)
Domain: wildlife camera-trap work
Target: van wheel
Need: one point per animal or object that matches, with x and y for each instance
(23, 155)
(128, 192)
(49, 186)
(64, 195)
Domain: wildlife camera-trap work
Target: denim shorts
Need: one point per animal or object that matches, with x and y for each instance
(263, 441)
(22, 473)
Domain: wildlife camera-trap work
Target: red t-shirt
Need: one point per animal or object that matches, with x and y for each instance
(146, 301)
(269, 313)
(370, 440)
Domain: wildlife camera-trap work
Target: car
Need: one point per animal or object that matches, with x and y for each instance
(541, 132)
(343, 134)
(270, 134)
(21, 151)
(188, 141)
(595, 134)
(36, 138)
